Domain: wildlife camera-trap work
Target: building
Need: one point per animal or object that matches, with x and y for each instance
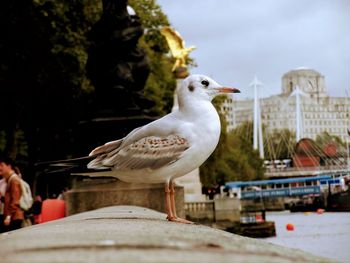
(319, 112)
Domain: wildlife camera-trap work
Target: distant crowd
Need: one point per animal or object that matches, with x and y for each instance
(17, 204)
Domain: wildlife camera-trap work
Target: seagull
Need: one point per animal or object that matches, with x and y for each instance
(169, 147)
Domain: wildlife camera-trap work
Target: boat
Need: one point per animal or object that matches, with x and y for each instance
(339, 202)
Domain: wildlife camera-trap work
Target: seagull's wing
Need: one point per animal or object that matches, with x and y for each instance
(151, 152)
(174, 40)
(111, 146)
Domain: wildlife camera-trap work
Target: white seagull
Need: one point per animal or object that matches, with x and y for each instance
(169, 147)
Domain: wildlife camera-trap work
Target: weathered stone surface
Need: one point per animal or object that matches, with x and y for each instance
(135, 234)
(91, 194)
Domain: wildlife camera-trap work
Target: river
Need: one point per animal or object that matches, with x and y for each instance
(326, 234)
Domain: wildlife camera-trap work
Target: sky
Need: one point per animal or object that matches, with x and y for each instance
(237, 40)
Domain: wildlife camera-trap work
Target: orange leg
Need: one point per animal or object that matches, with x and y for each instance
(168, 209)
(172, 198)
(172, 206)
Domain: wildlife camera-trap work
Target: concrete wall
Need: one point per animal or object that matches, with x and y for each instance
(274, 204)
(227, 209)
(210, 211)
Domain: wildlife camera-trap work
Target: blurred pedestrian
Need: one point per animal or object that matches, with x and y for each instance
(18, 171)
(2, 202)
(13, 214)
(36, 208)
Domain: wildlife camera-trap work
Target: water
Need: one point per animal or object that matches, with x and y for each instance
(326, 234)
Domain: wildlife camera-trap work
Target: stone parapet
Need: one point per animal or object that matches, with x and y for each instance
(136, 234)
(89, 194)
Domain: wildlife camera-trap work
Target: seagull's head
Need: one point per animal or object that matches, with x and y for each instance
(203, 88)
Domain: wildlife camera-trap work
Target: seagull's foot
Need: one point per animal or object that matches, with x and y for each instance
(179, 220)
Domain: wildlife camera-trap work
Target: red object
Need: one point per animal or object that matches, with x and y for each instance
(331, 149)
(320, 211)
(306, 161)
(290, 227)
(37, 219)
(53, 209)
(259, 218)
(307, 154)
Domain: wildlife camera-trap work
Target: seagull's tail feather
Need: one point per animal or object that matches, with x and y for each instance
(97, 163)
(106, 148)
(72, 161)
(66, 165)
(97, 174)
(101, 152)
(93, 161)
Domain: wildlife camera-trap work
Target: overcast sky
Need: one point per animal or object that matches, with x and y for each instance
(239, 39)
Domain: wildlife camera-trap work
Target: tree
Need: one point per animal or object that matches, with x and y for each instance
(324, 138)
(43, 53)
(42, 60)
(161, 83)
(248, 166)
(279, 144)
(44, 86)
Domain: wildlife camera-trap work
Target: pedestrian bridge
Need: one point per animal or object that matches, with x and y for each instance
(282, 171)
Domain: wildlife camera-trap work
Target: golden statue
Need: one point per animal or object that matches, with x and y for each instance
(177, 47)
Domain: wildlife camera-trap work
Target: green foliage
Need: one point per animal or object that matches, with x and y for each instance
(66, 24)
(20, 146)
(43, 52)
(233, 159)
(161, 83)
(324, 138)
(279, 144)
(2, 141)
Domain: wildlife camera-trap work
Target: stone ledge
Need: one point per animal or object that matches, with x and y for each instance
(93, 193)
(136, 234)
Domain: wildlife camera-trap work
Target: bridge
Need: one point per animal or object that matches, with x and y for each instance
(286, 172)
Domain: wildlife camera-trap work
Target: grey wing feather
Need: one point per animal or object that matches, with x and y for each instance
(149, 152)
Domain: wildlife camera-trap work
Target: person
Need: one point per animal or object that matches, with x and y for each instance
(13, 214)
(2, 202)
(18, 171)
(36, 208)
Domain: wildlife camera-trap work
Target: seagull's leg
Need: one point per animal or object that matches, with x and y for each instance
(168, 209)
(172, 198)
(173, 207)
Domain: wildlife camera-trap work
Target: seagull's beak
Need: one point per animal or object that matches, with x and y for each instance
(228, 90)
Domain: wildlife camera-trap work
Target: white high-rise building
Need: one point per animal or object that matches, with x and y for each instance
(319, 112)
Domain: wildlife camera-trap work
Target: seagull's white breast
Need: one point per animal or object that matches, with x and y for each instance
(205, 137)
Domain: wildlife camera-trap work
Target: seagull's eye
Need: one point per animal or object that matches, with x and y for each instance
(205, 83)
